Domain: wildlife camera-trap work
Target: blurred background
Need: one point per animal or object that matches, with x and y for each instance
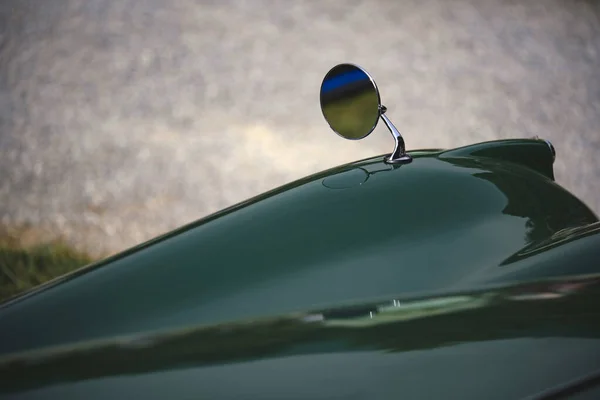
(123, 119)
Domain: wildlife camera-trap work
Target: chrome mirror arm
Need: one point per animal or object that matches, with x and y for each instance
(399, 155)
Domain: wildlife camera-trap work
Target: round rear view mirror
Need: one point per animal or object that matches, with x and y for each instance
(350, 101)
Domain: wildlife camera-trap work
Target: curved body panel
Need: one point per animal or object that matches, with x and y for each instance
(511, 342)
(449, 222)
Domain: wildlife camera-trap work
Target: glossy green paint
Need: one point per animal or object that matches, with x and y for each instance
(498, 343)
(449, 222)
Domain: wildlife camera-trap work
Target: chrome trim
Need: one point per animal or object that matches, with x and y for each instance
(399, 155)
(551, 149)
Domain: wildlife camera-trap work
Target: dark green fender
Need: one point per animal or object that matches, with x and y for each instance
(310, 270)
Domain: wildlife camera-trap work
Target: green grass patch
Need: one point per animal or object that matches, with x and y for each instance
(22, 268)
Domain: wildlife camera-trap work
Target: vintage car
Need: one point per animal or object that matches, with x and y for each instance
(464, 273)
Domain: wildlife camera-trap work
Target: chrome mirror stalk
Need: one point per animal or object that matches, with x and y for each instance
(399, 155)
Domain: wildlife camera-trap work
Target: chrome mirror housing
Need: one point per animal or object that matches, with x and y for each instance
(351, 105)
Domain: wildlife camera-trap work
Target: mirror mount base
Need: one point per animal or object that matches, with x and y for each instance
(405, 159)
(399, 155)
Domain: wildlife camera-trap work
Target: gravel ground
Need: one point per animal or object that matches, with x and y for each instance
(123, 119)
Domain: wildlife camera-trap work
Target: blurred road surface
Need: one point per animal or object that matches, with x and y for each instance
(122, 119)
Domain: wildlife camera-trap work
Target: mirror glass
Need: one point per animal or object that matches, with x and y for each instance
(350, 101)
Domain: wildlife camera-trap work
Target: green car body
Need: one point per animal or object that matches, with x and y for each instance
(466, 273)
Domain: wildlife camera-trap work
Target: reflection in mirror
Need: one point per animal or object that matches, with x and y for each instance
(350, 101)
